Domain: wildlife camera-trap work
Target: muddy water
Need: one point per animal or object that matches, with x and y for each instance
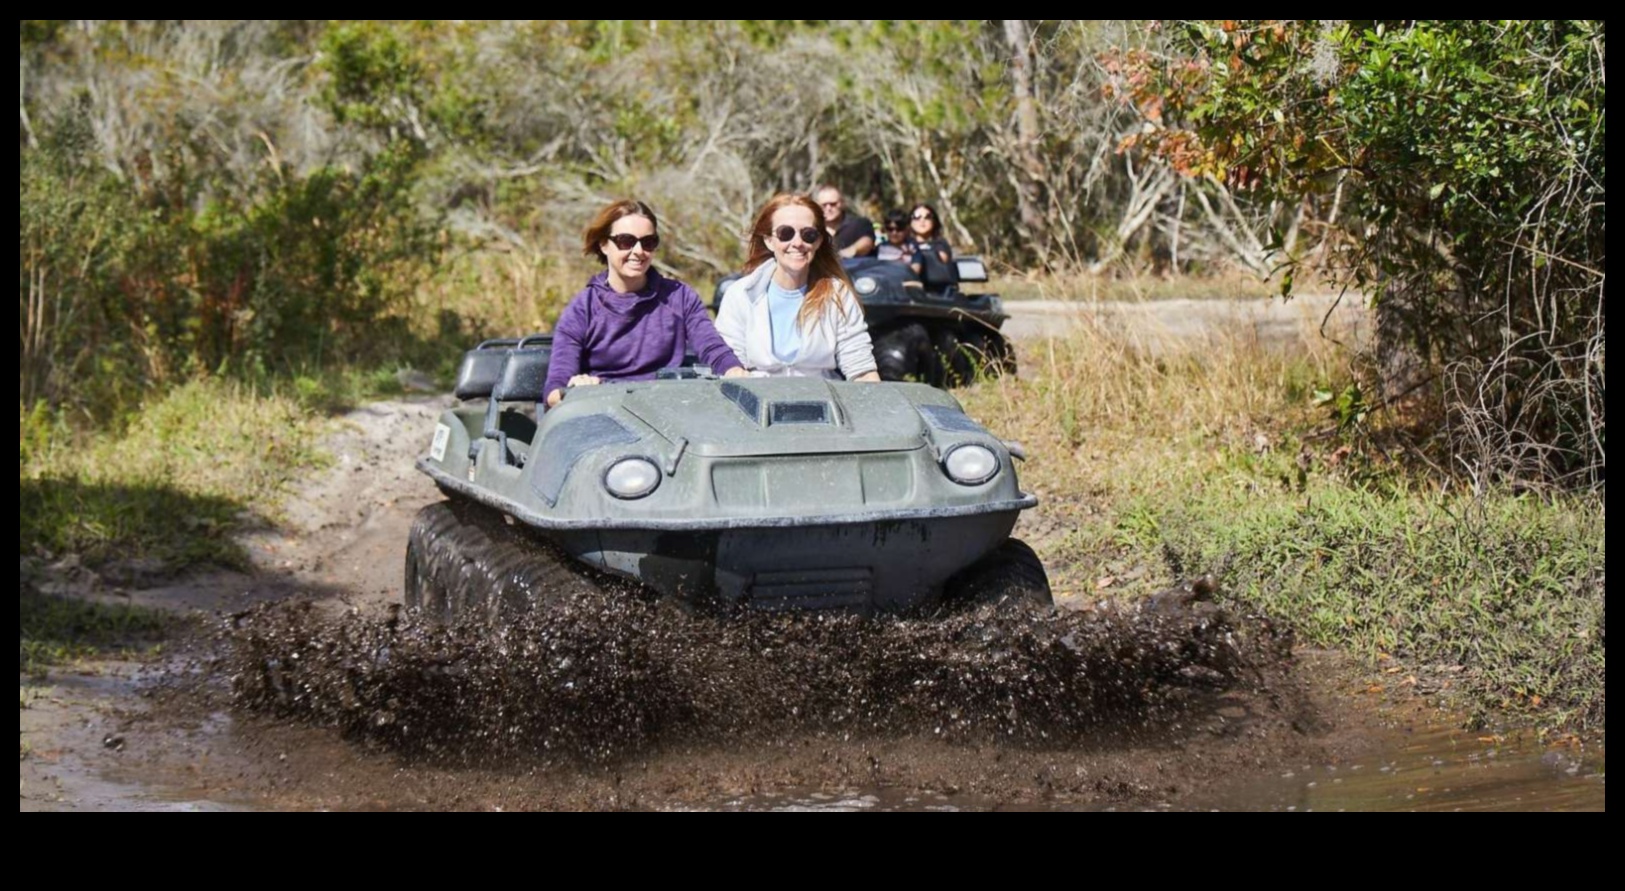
(1437, 769)
(617, 704)
(75, 746)
(606, 702)
(1255, 746)
(1425, 768)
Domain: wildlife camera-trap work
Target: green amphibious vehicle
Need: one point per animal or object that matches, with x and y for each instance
(764, 493)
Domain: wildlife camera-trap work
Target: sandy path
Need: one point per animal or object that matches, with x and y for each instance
(1159, 323)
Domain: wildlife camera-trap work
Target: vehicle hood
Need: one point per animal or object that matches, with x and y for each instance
(785, 416)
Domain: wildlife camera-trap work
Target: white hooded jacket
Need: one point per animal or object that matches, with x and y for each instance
(836, 345)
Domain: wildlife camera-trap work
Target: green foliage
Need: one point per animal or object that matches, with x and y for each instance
(372, 74)
(124, 292)
(1347, 406)
(314, 264)
(1471, 159)
(40, 32)
(76, 227)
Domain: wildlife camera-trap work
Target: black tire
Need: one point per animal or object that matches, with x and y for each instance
(1011, 574)
(904, 354)
(464, 561)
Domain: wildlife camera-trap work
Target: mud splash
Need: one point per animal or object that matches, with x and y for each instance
(600, 676)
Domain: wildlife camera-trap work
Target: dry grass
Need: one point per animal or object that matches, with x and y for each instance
(1106, 416)
(491, 293)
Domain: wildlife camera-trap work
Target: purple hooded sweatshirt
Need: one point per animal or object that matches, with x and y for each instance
(628, 337)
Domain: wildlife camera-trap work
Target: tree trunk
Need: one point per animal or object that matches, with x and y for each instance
(1030, 191)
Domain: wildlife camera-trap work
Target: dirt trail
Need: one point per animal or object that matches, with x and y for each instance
(338, 544)
(1159, 324)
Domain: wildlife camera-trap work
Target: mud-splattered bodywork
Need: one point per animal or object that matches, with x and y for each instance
(781, 493)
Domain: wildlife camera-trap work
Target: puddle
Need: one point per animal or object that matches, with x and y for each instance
(1437, 769)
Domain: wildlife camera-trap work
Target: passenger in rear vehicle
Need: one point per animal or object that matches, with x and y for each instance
(630, 321)
(896, 248)
(933, 259)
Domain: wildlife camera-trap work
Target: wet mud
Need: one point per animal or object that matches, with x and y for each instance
(601, 677)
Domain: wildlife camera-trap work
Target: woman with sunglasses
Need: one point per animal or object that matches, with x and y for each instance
(794, 312)
(630, 321)
(933, 259)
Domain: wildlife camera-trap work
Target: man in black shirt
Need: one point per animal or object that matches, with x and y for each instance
(853, 236)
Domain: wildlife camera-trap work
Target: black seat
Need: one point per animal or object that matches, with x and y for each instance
(937, 275)
(481, 367)
(520, 378)
(524, 372)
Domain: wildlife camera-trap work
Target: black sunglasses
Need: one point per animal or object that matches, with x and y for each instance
(625, 242)
(786, 234)
(923, 215)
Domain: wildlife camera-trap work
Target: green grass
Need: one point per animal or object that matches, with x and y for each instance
(190, 468)
(61, 630)
(336, 390)
(1506, 590)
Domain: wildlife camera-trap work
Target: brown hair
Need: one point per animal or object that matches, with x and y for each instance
(598, 230)
(825, 271)
(936, 219)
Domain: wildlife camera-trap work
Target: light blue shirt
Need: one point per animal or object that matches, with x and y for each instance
(782, 307)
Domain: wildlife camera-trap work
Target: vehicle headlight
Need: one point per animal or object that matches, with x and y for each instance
(864, 285)
(969, 464)
(632, 478)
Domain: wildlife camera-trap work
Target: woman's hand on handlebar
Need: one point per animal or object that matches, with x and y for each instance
(580, 380)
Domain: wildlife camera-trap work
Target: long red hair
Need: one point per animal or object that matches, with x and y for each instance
(825, 271)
